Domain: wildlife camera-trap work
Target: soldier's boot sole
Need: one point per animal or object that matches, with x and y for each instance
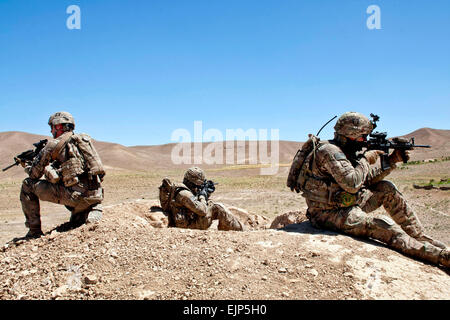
(94, 216)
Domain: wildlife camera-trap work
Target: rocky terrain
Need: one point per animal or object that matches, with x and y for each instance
(131, 254)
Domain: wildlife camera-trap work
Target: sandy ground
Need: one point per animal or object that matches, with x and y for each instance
(131, 254)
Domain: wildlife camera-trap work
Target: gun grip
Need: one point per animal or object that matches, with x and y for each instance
(384, 159)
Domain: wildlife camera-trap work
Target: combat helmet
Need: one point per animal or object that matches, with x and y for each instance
(353, 125)
(61, 117)
(194, 176)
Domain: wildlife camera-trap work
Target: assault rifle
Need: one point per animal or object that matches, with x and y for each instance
(207, 188)
(29, 155)
(377, 141)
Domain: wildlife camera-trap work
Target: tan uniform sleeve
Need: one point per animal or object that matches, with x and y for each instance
(376, 174)
(349, 178)
(36, 170)
(190, 202)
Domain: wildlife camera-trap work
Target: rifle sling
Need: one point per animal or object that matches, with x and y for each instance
(61, 144)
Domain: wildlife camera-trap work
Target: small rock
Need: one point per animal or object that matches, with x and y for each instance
(313, 272)
(53, 235)
(264, 278)
(348, 274)
(90, 279)
(59, 291)
(146, 294)
(7, 260)
(282, 270)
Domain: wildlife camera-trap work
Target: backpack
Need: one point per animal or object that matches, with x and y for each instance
(93, 164)
(90, 161)
(298, 172)
(167, 193)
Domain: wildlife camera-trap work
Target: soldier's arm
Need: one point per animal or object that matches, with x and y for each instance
(349, 178)
(376, 174)
(189, 201)
(36, 169)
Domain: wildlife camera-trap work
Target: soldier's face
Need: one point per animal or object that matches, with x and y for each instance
(362, 138)
(57, 130)
(354, 144)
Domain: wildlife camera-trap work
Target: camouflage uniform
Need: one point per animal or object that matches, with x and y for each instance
(193, 211)
(341, 189)
(83, 197)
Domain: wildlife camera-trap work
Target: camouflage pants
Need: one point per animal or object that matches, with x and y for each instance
(215, 211)
(403, 232)
(34, 190)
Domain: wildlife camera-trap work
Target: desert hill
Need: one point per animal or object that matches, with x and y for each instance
(159, 156)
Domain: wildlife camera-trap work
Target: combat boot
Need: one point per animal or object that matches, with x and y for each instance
(78, 219)
(444, 258)
(435, 243)
(34, 234)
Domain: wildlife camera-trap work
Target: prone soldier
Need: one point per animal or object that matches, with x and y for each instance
(188, 206)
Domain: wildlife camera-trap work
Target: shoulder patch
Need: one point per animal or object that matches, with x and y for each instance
(340, 156)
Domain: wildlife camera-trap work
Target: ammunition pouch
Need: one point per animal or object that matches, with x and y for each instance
(330, 194)
(51, 174)
(70, 170)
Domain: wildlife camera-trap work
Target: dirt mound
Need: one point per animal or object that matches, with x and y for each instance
(130, 255)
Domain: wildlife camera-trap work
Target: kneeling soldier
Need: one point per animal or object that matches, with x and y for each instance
(73, 173)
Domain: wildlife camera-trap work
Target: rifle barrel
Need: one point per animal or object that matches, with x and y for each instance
(9, 167)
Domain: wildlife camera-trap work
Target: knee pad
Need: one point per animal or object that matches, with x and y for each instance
(387, 187)
(383, 221)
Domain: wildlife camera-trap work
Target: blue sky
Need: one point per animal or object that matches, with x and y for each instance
(138, 70)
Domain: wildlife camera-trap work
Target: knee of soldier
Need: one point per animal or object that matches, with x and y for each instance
(387, 187)
(27, 185)
(384, 222)
(356, 218)
(217, 206)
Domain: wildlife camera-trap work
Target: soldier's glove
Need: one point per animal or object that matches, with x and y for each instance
(22, 162)
(373, 155)
(203, 193)
(397, 156)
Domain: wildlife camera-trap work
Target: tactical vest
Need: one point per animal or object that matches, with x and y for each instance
(320, 189)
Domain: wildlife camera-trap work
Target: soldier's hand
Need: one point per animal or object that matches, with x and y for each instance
(203, 193)
(22, 162)
(396, 156)
(373, 155)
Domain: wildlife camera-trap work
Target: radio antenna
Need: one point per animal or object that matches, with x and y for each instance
(326, 124)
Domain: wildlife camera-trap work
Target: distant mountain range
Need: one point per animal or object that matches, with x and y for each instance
(159, 157)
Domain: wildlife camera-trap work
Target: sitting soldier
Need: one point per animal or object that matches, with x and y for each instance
(342, 186)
